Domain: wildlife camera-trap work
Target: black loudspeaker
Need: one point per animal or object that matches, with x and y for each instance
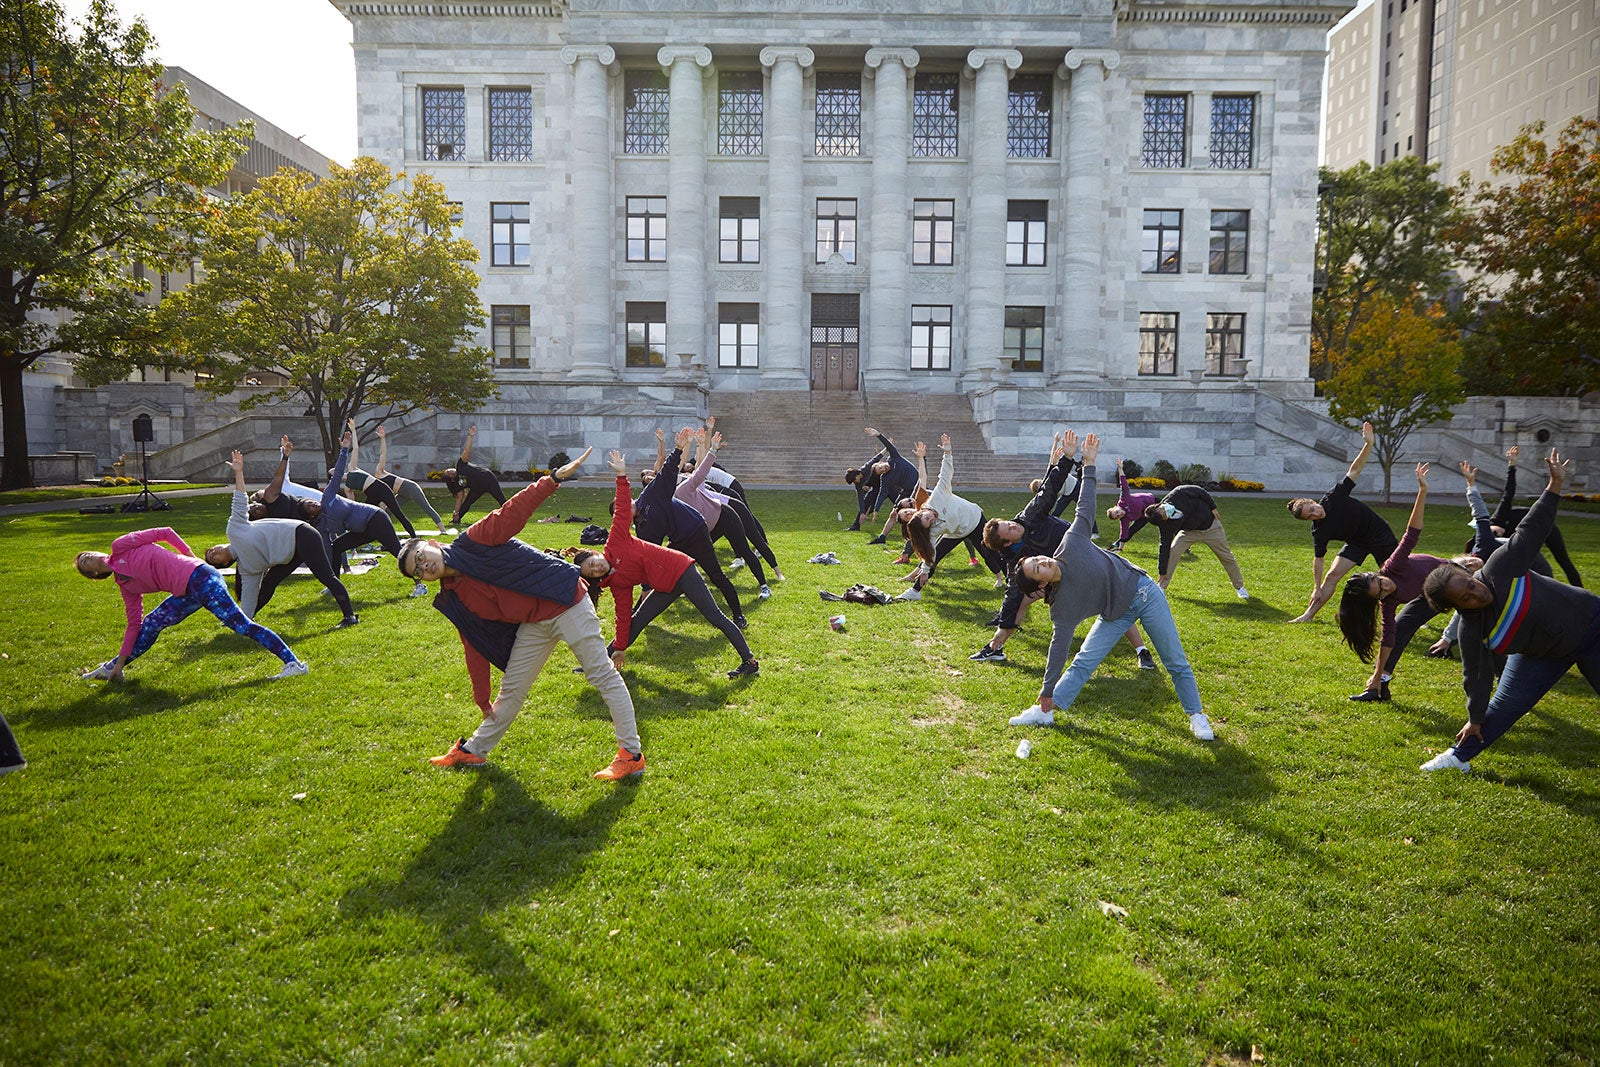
(143, 431)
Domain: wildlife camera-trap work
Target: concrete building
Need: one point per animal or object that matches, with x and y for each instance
(1452, 80)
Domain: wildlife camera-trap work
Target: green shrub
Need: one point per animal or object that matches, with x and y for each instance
(1194, 474)
(1163, 470)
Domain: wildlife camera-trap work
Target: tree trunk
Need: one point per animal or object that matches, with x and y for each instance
(16, 472)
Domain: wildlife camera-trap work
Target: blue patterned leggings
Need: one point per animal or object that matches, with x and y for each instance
(206, 590)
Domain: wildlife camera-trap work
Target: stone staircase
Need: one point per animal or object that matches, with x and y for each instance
(810, 438)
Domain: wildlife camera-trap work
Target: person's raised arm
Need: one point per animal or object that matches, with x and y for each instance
(661, 450)
(383, 453)
(622, 512)
(1508, 499)
(355, 447)
(708, 454)
(466, 449)
(1083, 516)
(1415, 522)
(236, 461)
(889, 450)
(947, 467)
(275, 487)
(342, 464)
(921, 452)
(1359, 464)
(569, 470)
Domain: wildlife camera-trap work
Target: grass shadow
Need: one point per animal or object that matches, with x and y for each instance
(114, 702)
(498, 847)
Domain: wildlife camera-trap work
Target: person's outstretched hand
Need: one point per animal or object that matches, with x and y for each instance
(920, 451)
(871, 432)
(944, 441)
(1422, 476)
(1469, 472)
(379, 430)
(1069, 442)
(1366, 433)
(1091, 448)
(570, 470)
(614, 460)
(1558, 470)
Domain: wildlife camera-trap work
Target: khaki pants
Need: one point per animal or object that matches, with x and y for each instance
(579, 627)
(1216, 540)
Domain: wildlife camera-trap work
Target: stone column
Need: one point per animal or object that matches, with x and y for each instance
(784, 355)
(889, 251)
(593, 226)
(1082, 240)
(686, 198)
(986, 215)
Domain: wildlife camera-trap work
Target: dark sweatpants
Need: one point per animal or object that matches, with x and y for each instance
(693, 586)
(731, 528)
(378, 529)
(312, 550)
(698, 547)
(380, 495)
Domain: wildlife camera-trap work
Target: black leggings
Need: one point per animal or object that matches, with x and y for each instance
(753, 531)
(378, 529)
(698, 547)
(312, 550)
(692, 586)
(380, 495)
(473, 493)
(731, 528)
(1406, 625)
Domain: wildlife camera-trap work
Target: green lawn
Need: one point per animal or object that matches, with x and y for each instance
(841, 861)
(73, 492)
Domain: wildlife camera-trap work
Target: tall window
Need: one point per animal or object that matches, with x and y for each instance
(739, 235)
(1158, 342)
(933, 232)
(1025, 337)
(838, 115)
(511, 125)
(933, 115)
(739, 113)
(509, 232)
(647, 229)
(930, 337)
(647, 334)
(836, 229)
(1230, 242)
(511, 333)
(1163, 242)
(1233, 121)
(738, 334)
(1166, 129)
(1025, 232)
(1028, 115)
(444, 124)
(1224, 343)
(644, 113)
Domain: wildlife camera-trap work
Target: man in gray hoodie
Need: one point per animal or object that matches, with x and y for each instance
(1082, 579)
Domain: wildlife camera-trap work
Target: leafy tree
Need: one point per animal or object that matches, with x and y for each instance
(352, 288)
(1380, 237)
(100, 167)
(1398, 371)
(1533, 240)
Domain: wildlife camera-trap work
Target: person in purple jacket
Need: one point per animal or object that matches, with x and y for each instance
(1128, 510)
(141, 565)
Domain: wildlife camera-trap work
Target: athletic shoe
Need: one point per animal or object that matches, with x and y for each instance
(293, 669)
(880, 539)
(972, 561)
(348, 620)
(766, 591)
(1034, 716)
(910, 594)
(735, 564)
(101, 672)
(452, 531)
(748, 669)
(1447, 761)
(1367, 696)
(854, 527)
(1115, 546)
(458, 756)
(740, 621)
(1200, 726)
(1147, 662)
(1242, 593)
(989, 655)
(420, 589)
(626, 765)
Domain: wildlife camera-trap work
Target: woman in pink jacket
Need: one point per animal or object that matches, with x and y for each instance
(141, 565)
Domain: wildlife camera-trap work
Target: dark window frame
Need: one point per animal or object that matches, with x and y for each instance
(740, 113)
(1233, 131)
(444, 115)
(837, 115)
(1155, 255)
(646, 212)
(936, 115)
(1024, 336)
(739, 316)
(1230, 242)
(1027, 233)
(514, 219)
(927, 320)
(1158, 344)
(1223, 327)
(651, 315)
(646, 104)
(510, 124)
(835, 225)
(506, 320)
(1030, 116)
(1164, 141)
(933, 231)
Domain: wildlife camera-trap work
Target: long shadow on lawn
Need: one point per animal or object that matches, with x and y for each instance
(116, 702)
(499, 846)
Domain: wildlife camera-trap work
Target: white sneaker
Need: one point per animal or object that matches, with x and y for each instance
(420, 589)
(101, 672)
(735, 564)
(293, 669)
(1242, 593)
(1200, 726)
(1447, 761)
(1034, 716)
(910, 594)
(766, 591)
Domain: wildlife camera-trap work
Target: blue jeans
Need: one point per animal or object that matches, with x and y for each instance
(1150, 610)
(1522, 684)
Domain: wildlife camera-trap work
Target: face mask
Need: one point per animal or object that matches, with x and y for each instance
(1172, 512)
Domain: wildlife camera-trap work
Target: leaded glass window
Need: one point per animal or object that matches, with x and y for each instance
(647, 333)
(838, 115)
(1166, 128)
(738, 335)
(1158, 342)
(644, 113)
(647, 229)
(1230, 242)
(933, 115)
(933, 232)
(1024, 338)
(511, 334)
(509, 235)
(444, 125)
(836, 229)
(1028, 117)
(511, 125)
(1025, 232)
(739, 113)
(930, 337)
(739, 230)
(1224, 343)
(1233, 122)
(1162, 252)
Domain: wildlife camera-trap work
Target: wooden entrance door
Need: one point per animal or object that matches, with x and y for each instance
(835, 341)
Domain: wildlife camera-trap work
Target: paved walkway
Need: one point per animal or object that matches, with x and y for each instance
(39, 507)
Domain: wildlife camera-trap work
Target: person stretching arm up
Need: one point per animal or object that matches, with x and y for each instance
(1336, 515)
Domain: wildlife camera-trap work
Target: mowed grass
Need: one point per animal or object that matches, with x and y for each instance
(841, 861)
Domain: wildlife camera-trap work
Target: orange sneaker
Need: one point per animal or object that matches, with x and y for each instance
(624, 766)
(458, 756)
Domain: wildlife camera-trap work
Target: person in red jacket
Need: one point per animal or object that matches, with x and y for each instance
(628, 561)
(512, 603)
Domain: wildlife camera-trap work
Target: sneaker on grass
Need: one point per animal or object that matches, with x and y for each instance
(626, 765)
(1447, 761)
(293, 669)
(1034, 716)
(748, 669)
(910, 594)
(348, 620)
(989, 655)
(1242, 593)
(458, 756)
(101, 672)
(766, 592)
(1147, 662)
(1200, 726)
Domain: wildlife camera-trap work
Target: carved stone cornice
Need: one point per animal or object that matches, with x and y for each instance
(772, 55)
(545, 9)
(906, 57)
(670, 54)
(1214, 13)
(1108, 58)
(603, 54)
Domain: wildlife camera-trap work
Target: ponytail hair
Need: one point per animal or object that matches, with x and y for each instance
(1358, 615)
(921, 541)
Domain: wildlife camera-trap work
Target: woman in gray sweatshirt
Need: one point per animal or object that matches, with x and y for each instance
(1082, 579)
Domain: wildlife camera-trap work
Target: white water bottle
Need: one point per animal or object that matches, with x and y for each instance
(1024, 749)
